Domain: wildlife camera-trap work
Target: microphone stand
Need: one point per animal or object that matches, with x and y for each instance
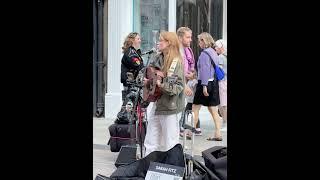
(137, 99)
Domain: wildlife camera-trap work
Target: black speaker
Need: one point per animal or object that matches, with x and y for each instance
(126, 156)
(215, 159)
(101, 177)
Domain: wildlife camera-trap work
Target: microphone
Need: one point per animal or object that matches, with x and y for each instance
(150, 51)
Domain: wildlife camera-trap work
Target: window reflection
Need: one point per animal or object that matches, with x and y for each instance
(200, 16)
(154, 18)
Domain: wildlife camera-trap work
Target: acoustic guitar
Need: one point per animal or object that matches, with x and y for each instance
(151, 92)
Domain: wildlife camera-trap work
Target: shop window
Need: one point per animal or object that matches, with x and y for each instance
(200, 16)
(153, 19)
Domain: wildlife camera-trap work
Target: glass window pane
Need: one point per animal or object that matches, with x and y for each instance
(154, 18)
(200, 16)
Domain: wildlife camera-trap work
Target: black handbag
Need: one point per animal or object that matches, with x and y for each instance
(200, 171)
(122, 117)
(120, 135)
(101, 177)
(216, 160)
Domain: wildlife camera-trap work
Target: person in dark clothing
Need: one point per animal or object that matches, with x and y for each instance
(131, 61)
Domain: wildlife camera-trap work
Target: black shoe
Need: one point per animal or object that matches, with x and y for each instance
(198, 133)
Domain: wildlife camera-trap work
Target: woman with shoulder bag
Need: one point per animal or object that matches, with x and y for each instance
(207, 90)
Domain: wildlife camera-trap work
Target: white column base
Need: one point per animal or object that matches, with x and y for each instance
(120, 24)
(113, 102)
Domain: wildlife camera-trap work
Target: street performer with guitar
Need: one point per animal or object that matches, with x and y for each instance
(164, 85)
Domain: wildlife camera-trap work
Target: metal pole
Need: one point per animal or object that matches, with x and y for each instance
(100, 64)
(94, 55)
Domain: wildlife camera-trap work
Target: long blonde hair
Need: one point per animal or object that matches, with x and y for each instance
(172, 50)
(129, 41)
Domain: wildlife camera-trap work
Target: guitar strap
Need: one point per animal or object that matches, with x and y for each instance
(172, 66)
(170, 73)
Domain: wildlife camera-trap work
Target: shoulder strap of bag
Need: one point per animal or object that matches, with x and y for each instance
(212, 62)
(172, 66)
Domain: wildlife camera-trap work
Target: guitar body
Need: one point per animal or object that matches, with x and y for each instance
(151, 92)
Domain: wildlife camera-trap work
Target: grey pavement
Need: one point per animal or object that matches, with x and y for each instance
(104, 159)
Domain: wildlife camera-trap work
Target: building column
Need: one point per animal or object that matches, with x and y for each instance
(224, 26)
(172, 17)
(120, 24)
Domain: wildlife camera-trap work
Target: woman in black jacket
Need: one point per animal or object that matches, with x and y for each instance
(131, 60)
